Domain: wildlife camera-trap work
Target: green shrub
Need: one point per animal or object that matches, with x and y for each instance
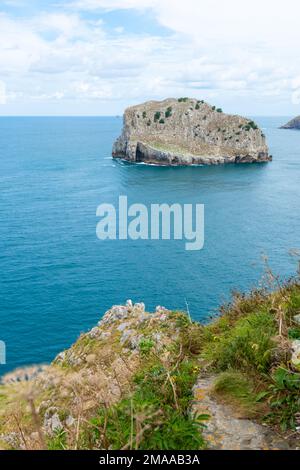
(219, 110)
(168, 113)
(161, 121)
(249, 126)
(157, 116)
(183, 100)
(294, 333)
(284, 398)
(144, 114)
(253, 125)
(145, 346)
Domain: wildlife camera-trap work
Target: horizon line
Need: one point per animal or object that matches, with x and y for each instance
(108, 115)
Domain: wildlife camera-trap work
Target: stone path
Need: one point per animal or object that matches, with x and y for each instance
(225, 430)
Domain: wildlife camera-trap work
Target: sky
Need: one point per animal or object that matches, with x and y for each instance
(96, 57)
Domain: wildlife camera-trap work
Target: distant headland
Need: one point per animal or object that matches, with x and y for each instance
(293, 124)
(186, 132)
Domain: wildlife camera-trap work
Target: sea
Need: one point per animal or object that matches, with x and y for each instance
(57, 278)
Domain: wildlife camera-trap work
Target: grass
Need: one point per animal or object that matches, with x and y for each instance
(58, 441)
(237, 389)
(247, 346)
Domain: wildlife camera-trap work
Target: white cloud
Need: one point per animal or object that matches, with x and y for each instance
(113, 4)
(296, 96)
(216, 21)
(214, 49)
(2, 93)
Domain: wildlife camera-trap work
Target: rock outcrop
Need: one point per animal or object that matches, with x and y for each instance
(188, 132)
(293, 124)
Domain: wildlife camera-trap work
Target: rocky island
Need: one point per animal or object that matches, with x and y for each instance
(293, 124)
(187, 131)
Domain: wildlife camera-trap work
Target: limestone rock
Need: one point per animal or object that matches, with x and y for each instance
(297, 319)
(293, 124)
(52, 422)
(91, 359)
(188, 132)
(296, 354)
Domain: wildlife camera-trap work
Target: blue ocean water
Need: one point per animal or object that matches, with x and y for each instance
(57, 278)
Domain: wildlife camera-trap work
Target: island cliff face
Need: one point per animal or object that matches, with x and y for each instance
(187, 131)
(293, 124)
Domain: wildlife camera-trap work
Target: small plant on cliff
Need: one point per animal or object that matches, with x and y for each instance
(144, 114)
(219, 110)
(168, 113)
(253, 125)
(149, 122)
(183, 100)
(294, 333)
(161, 121)
(250, 125)
(157, 116)
(197, 106)
(284, 398)
(145, 346)
(58, 441)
